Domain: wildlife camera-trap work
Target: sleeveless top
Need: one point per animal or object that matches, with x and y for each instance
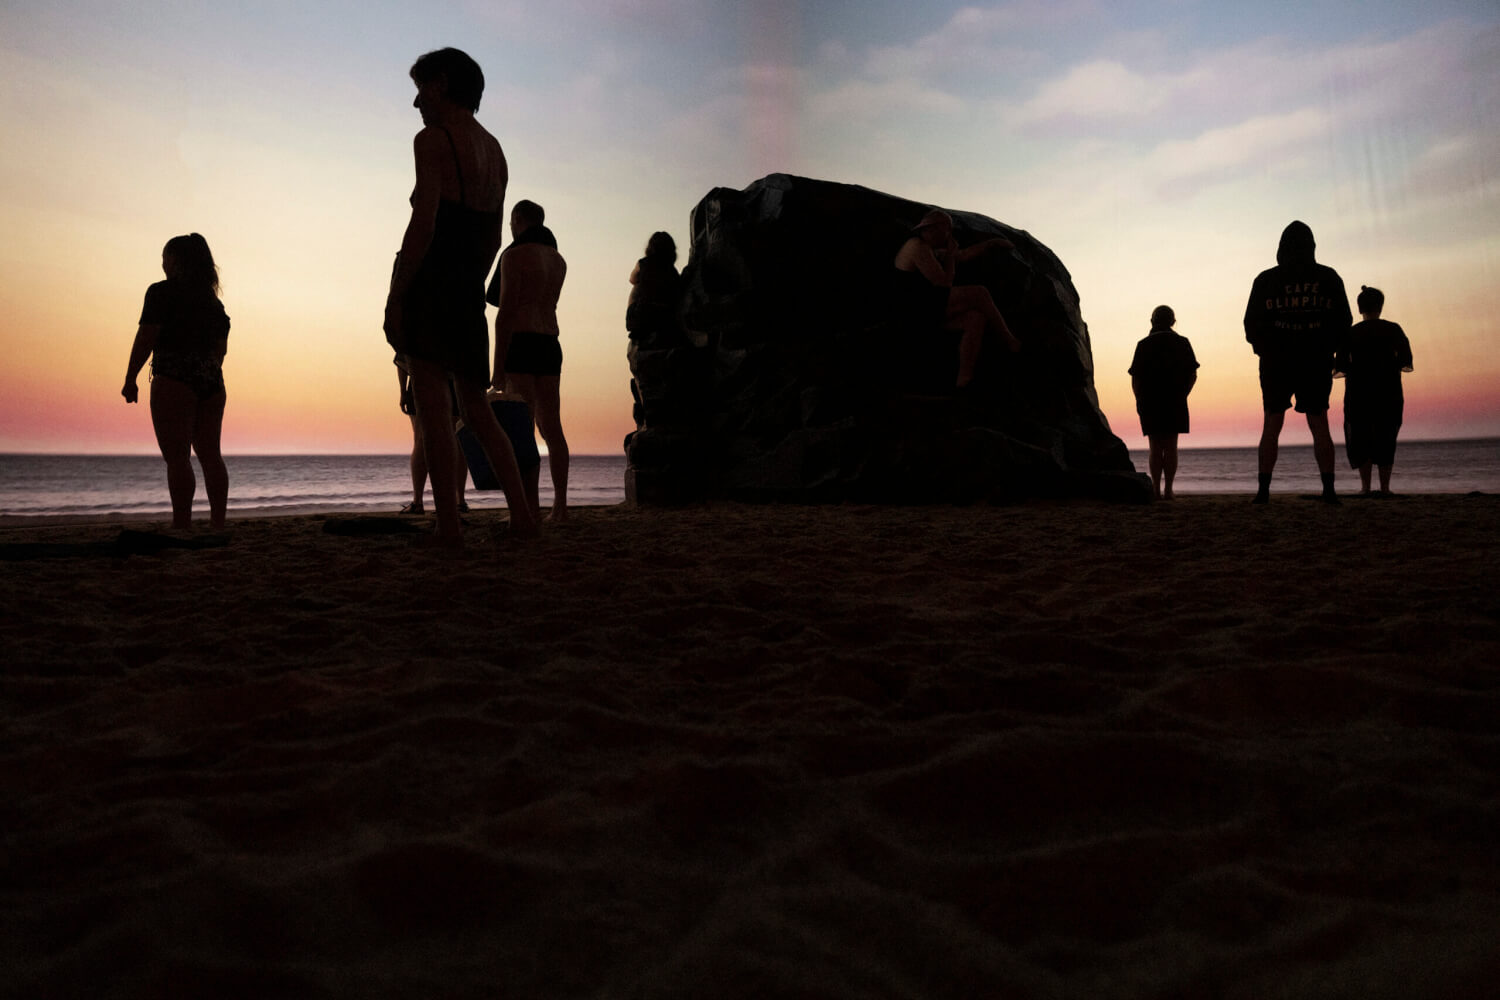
(443, 317)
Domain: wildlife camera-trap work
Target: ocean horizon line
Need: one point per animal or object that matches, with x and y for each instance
(1466, 439)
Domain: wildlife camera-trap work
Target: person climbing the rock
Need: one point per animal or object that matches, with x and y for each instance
(927, 298)
(655, 287)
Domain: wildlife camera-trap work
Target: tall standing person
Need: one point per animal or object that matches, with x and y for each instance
(185, 332)
(528, 354)
(434, 315)
(1296, 321)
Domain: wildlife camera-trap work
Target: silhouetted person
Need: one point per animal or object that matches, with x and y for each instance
(528, 354)
(434, 315)
(419, 452)
(1373, 359)
(927, 299)
(185, 331)
(655, 289)
(1162, 374)
(1296, 320)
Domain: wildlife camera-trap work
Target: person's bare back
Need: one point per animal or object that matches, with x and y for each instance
(531, 280)
(528, 355)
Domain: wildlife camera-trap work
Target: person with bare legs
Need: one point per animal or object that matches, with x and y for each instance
(434, 315)
(1296, 320)
(419, 454)
(925, 266)
(1162, 374)
(185, 332)
(1373, 360)
(528, 353)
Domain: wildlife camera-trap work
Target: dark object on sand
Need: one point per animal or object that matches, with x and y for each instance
(128, 543)
(801, 385)
(360, 527)
(515, 419)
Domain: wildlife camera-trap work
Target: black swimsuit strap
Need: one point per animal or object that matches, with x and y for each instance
(462, 199)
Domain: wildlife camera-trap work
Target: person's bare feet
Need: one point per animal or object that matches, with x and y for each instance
(558, 515)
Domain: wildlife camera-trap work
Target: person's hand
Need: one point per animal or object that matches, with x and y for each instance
(131, 392)
(406, 403)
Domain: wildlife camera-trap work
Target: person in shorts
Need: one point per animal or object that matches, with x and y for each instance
(528, 353)
(1296, 320)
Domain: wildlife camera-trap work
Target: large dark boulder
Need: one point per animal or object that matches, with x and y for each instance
(790, 381)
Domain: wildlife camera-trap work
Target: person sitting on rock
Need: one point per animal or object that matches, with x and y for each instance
(655, 287)
(927, 298)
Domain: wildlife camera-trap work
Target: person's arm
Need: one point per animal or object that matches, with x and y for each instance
(140, 350)
(1253, 319)
(993, 243)
(1403, 350)
(428, 192)
(635, 273)
(926, 262)
(1341, 322)
(403, 388)
(505, 319)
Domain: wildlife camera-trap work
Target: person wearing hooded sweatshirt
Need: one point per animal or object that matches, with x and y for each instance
(1296, 321)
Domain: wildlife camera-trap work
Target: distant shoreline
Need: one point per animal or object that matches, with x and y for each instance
(1185, 446)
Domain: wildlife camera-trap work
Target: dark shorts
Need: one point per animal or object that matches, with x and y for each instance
(1310, 380)
(198, 372)
(533, 354)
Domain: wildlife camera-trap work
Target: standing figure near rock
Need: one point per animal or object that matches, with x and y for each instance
(434, 315)
(185, 331)
(1296, 321)
(655, 288)
(1372, 361)
(528, 355)
(928, 299)
(1162, 373)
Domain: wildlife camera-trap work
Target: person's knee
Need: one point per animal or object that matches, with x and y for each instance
(552, 433)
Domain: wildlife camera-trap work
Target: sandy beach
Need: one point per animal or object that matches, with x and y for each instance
(1190, 749)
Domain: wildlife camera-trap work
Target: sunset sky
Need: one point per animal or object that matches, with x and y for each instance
(1158, 148)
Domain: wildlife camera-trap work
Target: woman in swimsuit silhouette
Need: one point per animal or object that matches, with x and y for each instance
(434, 315)
(185, 332)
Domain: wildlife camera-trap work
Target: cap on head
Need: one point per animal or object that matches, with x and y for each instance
(934, 217)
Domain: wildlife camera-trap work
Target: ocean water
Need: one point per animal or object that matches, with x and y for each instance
(1421, 467)
(99, 486)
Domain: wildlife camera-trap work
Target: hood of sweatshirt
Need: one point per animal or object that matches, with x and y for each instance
(1296, 244)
